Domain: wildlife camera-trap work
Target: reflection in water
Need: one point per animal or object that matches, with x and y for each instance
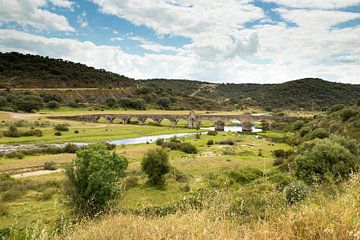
(152, 139)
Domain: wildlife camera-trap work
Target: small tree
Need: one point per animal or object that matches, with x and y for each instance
(92, 179)
(156, 164)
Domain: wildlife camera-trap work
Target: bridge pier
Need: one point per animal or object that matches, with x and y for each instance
(246, 126)
(219, 126)
(141, 121)
(124, 121)
(173, 123)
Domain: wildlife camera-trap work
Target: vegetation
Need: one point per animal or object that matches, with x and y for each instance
(156, 164)
(92, 179)
(111, 90)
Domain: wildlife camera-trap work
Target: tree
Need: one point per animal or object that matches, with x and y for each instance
(156, 164)
(327, 159)
(53, 104)
(164, 103)
(319, 133)
(92, 179)
(28, 103)
(110, 102)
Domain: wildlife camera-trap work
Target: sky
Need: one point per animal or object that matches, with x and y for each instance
(239, 41)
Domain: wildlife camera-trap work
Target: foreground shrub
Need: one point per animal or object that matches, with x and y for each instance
(156, 164)
(327, 159)
(50, 165)
(92, 179)
(296, 192)
(246, 175)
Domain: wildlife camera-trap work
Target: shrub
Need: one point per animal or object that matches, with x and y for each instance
(110, 146)
(12, 131)
(278, 161)
(304, 131)
(156, 164)
(188, 148)
(53, 104)
(246, 175)
(76, 131)
(296, 192)
(50, 165)
(297, 125)
(347, 113)
(61, 127)
(28, 103)
(210, 142)
(71, 148)
(159, 141)
(110, 102)
(325, 159)
(92, 179)
(227, 142)
(319, 133)
(212, 133)
(35, 132)
(57, 133)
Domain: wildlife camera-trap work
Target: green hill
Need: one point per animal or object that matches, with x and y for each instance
(26, 72)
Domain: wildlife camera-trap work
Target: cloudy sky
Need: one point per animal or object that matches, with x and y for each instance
(259, 41)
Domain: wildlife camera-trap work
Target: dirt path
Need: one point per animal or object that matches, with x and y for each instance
(25, 115)
(36, 173)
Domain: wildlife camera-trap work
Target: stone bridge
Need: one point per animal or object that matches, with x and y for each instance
(193, 120)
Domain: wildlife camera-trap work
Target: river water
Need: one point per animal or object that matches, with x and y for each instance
(151, 139)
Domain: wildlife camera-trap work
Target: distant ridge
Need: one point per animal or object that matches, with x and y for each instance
(31, 71)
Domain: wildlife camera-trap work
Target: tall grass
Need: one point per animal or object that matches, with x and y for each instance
(324, 216)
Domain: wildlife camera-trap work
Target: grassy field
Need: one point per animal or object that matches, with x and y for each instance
(197, 167)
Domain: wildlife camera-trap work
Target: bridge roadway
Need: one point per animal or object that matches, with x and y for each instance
(193, 120)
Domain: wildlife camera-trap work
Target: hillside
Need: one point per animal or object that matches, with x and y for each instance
(35, 72)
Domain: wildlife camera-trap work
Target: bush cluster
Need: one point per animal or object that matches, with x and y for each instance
(246, 175)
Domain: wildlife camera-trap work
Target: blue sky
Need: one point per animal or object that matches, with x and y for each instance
(260, 41)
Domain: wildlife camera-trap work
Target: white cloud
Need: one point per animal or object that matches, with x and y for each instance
(318, 4)
(30, 13)
(82, 20)
(184, 65)
(116, 39)
(62, 3)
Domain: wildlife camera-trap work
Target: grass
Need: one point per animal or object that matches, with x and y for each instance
(31, 207)
(95, 133)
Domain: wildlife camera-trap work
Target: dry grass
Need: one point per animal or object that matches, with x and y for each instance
(317, 218)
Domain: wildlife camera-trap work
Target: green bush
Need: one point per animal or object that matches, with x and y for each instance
(304, 131)
(159, 141)
(347, 113)
(93, 179)
(71, 148)
(57, 133)
(28, 103)
(76, 131)
(212, 133)
(61, 127)
(156, 164)
(227, 142)
(319, 133)
(210, 142)
(188, 148)
(296, 192)
(53, 104)
(297, 125)
(246, 175)
(51, 165)
(326, 159)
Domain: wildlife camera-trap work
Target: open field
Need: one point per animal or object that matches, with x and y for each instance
(197, 167)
